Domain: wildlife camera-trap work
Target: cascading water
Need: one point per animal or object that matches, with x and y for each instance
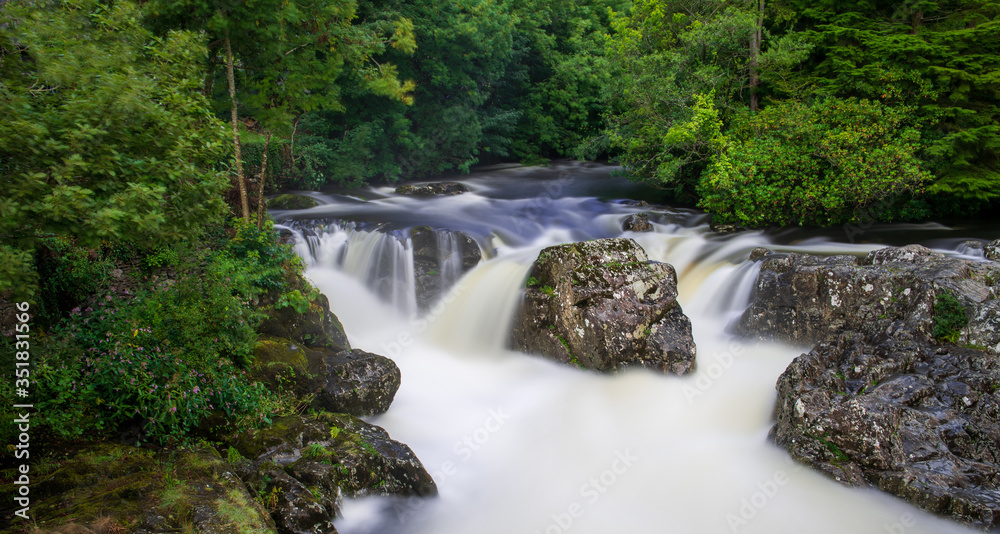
(518, 444)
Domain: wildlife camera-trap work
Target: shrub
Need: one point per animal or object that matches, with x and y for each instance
(949, 318)
(832, 162)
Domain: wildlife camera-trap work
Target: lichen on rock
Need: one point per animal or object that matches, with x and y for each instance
(603, 305)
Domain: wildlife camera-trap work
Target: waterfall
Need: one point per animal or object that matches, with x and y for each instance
(521, 444)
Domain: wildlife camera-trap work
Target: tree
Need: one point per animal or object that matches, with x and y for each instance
(106, 135)
(288, 57)
(669, 56)
(831, 162)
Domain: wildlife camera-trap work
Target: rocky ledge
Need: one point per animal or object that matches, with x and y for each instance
(603, 305)
(916, 420)
(804, 298)
(902, 392)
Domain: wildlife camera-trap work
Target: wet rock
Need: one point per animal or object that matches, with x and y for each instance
(914, 419)
(291, 202)
(604, 305)
(992, 251)
(638, 222)
(804, 298)
(356, 382)
(440, 258)
(432, 189)
(759, 253)
(364, 460)
(349, 381)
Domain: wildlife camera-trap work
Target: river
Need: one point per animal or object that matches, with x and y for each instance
(519, 444)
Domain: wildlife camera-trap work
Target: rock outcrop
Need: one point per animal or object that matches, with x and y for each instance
(803, 298)
(432, 189)
(917, 420)
(440, 258)
(603, 305)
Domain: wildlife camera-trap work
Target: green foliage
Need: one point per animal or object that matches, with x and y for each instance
(68, 277)
(260, 260)
(105, 134)
(681, 69)
(169, 356)
(949, 318)
(296, 300)
(819, 165)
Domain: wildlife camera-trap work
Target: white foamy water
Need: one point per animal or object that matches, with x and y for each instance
(519, 444)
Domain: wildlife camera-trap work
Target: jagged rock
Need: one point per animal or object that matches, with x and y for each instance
(349, 381)
(291, 202)
(638, 222)
(440, 258)
(992, 251)
(914, 419)
(432, 189)
(804, 298)
(604, 305)
(362, 457)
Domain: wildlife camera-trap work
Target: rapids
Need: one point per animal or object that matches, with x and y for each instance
(518, 444)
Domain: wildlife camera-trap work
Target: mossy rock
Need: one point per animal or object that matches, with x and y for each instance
(110, 487)
(291, 202)
(359, 458)
(603, 305)
(351, 381)
(317, 327)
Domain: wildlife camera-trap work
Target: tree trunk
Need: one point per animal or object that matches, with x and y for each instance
(240, 178)
(260, 189)
(755, 43)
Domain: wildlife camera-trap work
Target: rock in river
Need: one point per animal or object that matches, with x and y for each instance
(805, 298)
(915, 419)
(604, 305)
(432, 189)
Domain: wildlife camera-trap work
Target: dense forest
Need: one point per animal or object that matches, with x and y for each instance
(147, 135)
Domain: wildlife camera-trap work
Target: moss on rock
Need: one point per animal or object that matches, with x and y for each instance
(131, 489)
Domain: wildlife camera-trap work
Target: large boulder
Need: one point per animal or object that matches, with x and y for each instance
(604, 305)
(440, 258)
(804, 298)
(432, 189)
(915, 419)
(345, 381)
